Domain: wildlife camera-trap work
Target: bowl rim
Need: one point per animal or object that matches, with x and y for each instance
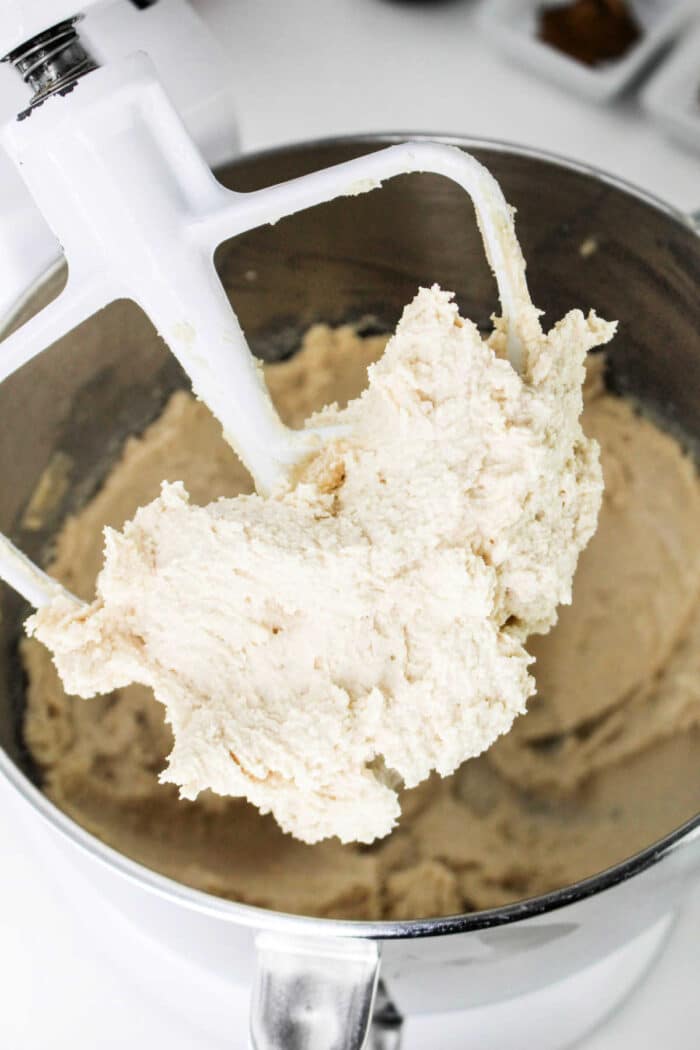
(262, 918)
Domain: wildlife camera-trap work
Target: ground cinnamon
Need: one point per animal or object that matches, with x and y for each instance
(592, 31)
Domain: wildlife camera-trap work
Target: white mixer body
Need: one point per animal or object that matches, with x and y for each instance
(192, 66)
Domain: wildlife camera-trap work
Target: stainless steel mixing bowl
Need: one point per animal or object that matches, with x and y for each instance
(363, 258)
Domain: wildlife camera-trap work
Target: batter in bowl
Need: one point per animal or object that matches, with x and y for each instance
(604, 762)
(366, 623)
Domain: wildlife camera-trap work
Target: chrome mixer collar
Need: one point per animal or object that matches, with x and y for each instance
(52, 62)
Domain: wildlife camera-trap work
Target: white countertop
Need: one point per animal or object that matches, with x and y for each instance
(300, 69)
(307, 68)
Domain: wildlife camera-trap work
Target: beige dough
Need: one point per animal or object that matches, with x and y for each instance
(594, 772)
(365, 624)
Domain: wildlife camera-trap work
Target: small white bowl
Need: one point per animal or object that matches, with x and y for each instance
(512, 24)
(672, 96)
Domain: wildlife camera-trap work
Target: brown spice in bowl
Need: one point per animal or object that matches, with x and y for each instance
(591, 31)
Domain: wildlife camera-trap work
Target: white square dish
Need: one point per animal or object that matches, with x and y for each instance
(512, 25)
(672, 96)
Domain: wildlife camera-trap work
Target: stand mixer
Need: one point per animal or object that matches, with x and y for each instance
(138, 215)
(427, 965)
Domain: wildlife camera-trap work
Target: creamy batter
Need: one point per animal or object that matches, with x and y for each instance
(367, 624)
(585, 779)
